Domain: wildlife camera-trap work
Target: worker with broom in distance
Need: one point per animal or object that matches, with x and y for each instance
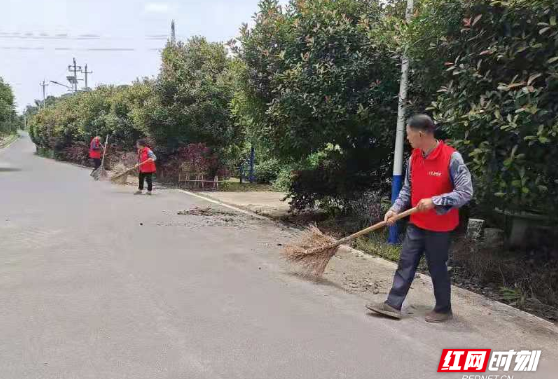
(146, 166)
(95, 151)
(437, 183)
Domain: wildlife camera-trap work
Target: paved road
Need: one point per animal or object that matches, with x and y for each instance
(87, 291)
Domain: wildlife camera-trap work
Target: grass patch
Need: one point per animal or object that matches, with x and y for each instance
(375, 244)
(6, 140)
(234, 185)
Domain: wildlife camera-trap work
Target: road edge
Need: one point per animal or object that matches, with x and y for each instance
(226, 205)
(388, 264)
(15, 137)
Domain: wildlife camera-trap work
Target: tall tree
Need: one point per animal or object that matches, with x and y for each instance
(8, 117)
(193, 94)
(318, 82)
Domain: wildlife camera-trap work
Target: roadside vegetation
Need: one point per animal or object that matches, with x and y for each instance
(9, 119)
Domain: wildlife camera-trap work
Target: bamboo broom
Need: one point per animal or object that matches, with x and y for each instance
(316, 249)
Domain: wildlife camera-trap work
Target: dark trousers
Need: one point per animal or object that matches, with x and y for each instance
(96, 163)
(435, 245)
(148, 177)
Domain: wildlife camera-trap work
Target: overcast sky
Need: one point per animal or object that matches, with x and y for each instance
(118, 39)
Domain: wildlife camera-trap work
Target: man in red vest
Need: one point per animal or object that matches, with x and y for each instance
(438, 183)
(95, 151)
(146, 165)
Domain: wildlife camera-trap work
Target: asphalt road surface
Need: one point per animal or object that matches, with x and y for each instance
(98, 283)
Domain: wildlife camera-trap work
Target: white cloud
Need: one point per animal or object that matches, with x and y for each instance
(156, 8)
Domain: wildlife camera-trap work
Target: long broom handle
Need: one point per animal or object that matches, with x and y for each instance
(104, 152)
(373, 227)
(131, 168)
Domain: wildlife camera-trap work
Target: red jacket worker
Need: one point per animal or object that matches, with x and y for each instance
(146, 164)
(96, 151)
(437, 183)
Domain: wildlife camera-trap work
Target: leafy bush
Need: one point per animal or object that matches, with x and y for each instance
(78, 152)
(80, 117)
(192, 96)
(500, 102)
(315, 78)
(283, 179)
(335, 178)
(369, 208)
(187, 105)
(8, 118)
(266, 171)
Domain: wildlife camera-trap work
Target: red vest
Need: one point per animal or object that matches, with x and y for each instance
(95, 154)
(430, 177)
(143, 155)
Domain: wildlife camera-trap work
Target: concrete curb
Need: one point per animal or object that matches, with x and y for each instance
(388, 264)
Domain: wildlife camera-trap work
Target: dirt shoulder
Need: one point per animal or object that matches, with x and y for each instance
(264, 203)
(370, 278)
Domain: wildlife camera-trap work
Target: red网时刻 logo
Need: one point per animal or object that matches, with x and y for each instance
(479, 360)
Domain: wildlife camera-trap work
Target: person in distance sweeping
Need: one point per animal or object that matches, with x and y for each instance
(95, 151)
(438, 183)
(146, 165)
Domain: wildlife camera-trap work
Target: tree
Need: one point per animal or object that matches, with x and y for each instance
(187, 105)
(499, 102)
(318, 83)
(8, 117)
(193, 93)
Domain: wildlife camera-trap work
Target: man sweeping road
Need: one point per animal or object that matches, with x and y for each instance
(438, 183)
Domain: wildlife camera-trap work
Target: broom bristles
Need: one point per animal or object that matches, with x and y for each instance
(313, 253)
(121, 178)
(121, 174)
(99, 174)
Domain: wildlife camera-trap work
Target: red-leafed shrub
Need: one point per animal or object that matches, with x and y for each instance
(193, 159)
(77, 153)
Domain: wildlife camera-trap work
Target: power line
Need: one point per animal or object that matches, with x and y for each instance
(100, 49)
(110, 49)
(60, 84)
(92, 37)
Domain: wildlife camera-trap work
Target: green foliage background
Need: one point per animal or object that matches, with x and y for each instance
(9, 121)
(313, 87)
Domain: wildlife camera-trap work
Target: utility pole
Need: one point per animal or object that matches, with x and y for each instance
(44, 85)
(397, 181)
(85, 73)
(74, 68)
(173, 33)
